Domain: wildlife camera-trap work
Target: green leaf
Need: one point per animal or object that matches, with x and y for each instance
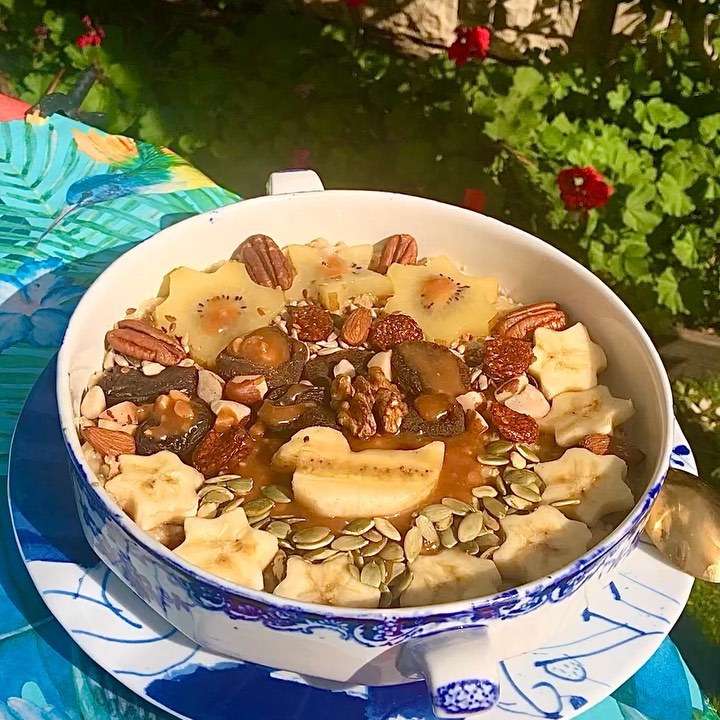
(668, 291)
(665, 115)
(618, 98)
(635, 213)
(152, 128)
(675, 201)
(685, 245)
(709, 127)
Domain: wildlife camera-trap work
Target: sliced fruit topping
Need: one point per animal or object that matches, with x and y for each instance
(212, 309)
(597, 482)
(573, 415)
(334, 481)
(327, 583)
(538, 544)
(228, 547)
(334, 275)
(566, 360)
(448, 576)
(446, 303)
(155, 489)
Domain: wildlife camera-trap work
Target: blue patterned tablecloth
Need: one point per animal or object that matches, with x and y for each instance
(109, 193)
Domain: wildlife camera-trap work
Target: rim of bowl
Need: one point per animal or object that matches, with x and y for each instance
(72, 442)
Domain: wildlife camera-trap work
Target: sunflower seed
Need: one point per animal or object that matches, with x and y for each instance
(527, 452)
(458, 507)
(320, 554)
(493, 460)
(236, 503)
(386, 528)
(371, 575)
(495, 507)
(218, 495)
(400, 584)
(392, 551)
(412, 544)
(373, 535)
(517, 503)
(207, 510)
(490, 521)
(436, 513)
(470, 527)
(358, 527)
(347, 543)
(240, 486)
(427, 529)
(488, 540)
(484, 491)
(354, 571)
(277, 493)
(256, 508)
(311, 535)
(279, 529)
(386, 599)
(448, 539)
(498, 447)
(565, 503)
(444, 524)
(525, 493)
(373, 548)
(279, 565)
(471, 548)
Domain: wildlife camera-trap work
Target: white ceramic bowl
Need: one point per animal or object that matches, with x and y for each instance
(455, 646)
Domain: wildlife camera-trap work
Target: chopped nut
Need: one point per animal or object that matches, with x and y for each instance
(382, 361)
(356, 415)
(344, 367)
(209, 386)
(93, 404)
(246, 389)
(125, 413)
(229, 413)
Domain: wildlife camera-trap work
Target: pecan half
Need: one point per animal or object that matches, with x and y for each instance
(401, 249)
(140, 340)
(522, 323)
(110, 442)
(356, 328)
(265, 262)
(246, 389)
(393, 330)
(312, 322)
(514, 426)
(218, 449)
(505, 358)
(608, 445)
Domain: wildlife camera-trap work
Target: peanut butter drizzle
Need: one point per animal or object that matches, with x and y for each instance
(279, 415)
(174, 418)
(433, 406)
(266, 346)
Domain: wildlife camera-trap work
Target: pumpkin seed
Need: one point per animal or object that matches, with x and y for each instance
(427, 529)
(358, 527)
(373, 548)
(279, 529)
(387, 528)
(471, 548)
(445, 524)
(386, 599)
(520, 477)
(400, 584)
(458, 507)
(236, 503)
(347, 543)
(371, 575)
(279, 565)
(207, 510)
(527, 452)
(311, 535)
(239, 485)
(218, 495)
(448, 539)
(565, 503)
(483, 491)
(205, 489)
(398, 568)
(492, 460)
(285, 545)
(488, 540)
(487, 554)
(315, 544)
(260, 523)
(277, 493)
(412, 544)
(359, 560)
(525, 493)
(517, 460)
(470, 527)
(517, 503)
(219, 480)
(436, 513)
(495, 507)
(320, 554)
(498, 447)
(500, 485)
(354, 571)
(256, 508)
(490, 521)
(392, 551)
(373, 536)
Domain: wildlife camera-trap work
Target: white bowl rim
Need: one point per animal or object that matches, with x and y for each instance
(262, 597)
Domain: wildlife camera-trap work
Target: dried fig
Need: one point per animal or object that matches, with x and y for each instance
(121, 384)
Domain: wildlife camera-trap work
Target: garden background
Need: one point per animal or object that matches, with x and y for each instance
(385, 94)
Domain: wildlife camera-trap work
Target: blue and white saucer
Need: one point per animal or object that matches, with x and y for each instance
(600, 649)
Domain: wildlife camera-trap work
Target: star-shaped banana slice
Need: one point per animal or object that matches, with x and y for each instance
(566, 360)
(448, 576)
(156, 489)
(573, 415)
(597, 481)
(327, 583)
(228, 547)
(538, 544)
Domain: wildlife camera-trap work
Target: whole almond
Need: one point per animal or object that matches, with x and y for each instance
(246, 389)
(356, 328)
(110, 442)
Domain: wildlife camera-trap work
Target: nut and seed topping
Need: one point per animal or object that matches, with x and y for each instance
(401, 249)
(356, 328)
(141, 340)
(265, 262)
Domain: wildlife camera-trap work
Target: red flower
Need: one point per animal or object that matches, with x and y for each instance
(583, 188)
(475, 199)
(470, 43)
(94, 36)
(300, 159)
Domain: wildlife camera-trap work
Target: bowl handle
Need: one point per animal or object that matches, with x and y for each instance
(293, 181)
(459, 668)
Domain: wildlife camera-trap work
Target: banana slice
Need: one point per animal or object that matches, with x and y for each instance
(448, 576)
(597, 481)
(573, 415)
(332, 480)
(327, 583)
(566, 360)
(228, 547)
(539, 543)
(155, 489)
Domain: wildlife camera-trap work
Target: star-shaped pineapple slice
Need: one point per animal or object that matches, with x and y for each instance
(446, 303)
(327, 583)
(538, 544)
(155, 489)
(334, 274)
(597, 481)
(213, 308)
(228, 547)
(573, 415)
